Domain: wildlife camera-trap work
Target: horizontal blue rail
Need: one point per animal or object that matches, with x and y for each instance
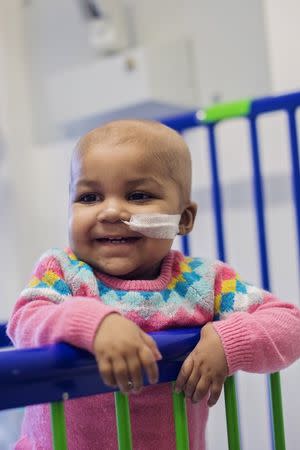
(287, 102)
(61, 371)
(275, 103)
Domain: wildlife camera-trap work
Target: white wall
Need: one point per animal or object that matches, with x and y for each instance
(228, 57)
(17, 208)
(282, 30)
(229, 39)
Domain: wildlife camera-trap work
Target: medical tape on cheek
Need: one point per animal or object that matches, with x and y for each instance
(158, 226)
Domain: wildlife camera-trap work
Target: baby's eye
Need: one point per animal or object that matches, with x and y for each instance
(139, 196)
(89, 198)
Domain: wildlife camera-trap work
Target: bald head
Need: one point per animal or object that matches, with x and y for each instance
(156, 140)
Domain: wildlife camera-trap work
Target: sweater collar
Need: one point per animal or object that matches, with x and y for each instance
(170, 267)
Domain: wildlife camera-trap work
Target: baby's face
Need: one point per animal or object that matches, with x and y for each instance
(110, 184)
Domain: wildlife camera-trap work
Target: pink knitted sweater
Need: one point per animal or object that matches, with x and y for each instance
(66, 301)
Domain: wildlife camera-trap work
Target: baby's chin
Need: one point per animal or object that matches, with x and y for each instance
(128, 273)
(122, 267)
(115, 269)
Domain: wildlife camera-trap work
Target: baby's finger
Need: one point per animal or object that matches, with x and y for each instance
(201, 389)
(150, 342)
(106, 371)
(184, 374)
(149, 364)
(135, 373)
(192, 381)
(215, 392)
(121, 375)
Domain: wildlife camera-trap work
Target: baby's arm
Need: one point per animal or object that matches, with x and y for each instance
(48, 312)
(257, 333)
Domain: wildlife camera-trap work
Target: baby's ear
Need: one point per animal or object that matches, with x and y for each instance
(187, 218)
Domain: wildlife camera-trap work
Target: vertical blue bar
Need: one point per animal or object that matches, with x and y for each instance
(259, 205)
(231, 398)
(216, 192)
(295, 171)
(185, 245)
(185, 240)
(262, 241)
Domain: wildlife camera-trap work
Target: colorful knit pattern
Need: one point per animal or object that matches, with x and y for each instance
(233, 294)
(195, 284)
(189, 288)
(50, 280)
(59, 274)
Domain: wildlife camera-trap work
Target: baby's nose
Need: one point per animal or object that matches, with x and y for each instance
(112, 212)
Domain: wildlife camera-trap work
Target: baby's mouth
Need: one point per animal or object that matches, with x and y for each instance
(118, 240)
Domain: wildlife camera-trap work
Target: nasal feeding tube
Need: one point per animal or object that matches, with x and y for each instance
(158, 226)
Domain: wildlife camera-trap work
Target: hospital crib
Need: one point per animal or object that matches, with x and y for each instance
(56, 373)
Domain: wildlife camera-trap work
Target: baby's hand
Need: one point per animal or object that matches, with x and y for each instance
(122, 350)
(205, 369)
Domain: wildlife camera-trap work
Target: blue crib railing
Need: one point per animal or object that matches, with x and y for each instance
(55, 373)
(60, 372)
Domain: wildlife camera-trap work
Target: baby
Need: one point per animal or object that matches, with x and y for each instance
(130, 189)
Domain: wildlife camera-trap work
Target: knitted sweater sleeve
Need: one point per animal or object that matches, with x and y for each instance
(57, 306)
(259, 333)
